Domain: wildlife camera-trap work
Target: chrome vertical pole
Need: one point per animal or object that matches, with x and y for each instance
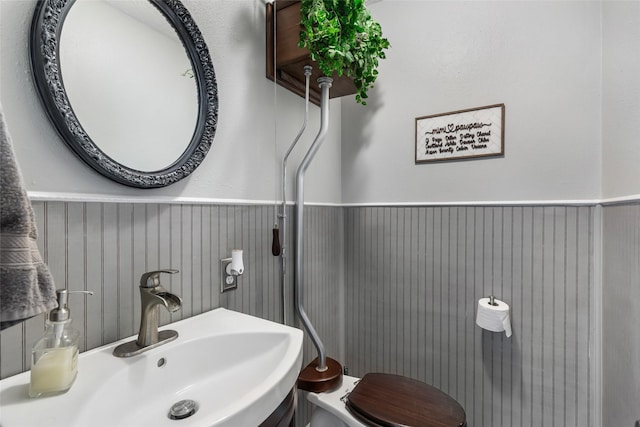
(325, 84)
(283, 215)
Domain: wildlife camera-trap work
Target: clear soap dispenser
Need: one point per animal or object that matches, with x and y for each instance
(54, 358)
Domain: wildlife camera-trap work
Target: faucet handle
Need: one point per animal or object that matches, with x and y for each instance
(154, 276)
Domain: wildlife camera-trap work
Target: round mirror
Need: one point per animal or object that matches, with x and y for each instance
(128, 84)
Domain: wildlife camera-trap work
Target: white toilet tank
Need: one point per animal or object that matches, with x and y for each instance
(322, 418)
(329, 409)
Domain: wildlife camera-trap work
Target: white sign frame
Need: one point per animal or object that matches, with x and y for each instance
(464, 134)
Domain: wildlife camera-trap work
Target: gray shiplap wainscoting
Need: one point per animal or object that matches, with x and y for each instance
(620, 315)
(389, 289)
(105, 248)
(413, 277)
(322, 287)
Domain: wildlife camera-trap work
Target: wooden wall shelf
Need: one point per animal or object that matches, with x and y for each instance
(290, 59)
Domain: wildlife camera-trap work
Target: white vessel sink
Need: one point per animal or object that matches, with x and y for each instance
(236, 367)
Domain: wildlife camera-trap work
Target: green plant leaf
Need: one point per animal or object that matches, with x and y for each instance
(343, 38)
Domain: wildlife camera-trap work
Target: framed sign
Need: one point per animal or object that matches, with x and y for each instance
(464, 134)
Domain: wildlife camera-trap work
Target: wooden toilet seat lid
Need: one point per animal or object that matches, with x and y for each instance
(396, 401)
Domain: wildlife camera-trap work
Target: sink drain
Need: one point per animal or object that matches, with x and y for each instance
(183, 409)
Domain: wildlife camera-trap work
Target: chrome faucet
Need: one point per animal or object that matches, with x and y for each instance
(152, 296)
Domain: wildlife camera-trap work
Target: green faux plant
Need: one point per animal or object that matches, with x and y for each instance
(343, 37)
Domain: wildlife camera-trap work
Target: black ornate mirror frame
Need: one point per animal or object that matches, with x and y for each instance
(45, 38)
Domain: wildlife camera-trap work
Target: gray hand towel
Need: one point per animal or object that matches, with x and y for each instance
(26, 286)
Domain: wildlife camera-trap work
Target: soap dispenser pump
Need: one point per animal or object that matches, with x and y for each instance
(54, 358)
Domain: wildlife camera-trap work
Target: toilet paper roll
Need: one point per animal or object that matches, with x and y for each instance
(495, 318)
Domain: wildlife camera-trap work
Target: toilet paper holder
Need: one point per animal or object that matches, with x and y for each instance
(494, 315)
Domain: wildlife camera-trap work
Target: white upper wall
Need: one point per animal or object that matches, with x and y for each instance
(621, 98)
(541, 59)
(566, 71)
(242, 163)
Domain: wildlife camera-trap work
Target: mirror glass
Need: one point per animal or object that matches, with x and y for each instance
(127, 55)
(128, 84)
